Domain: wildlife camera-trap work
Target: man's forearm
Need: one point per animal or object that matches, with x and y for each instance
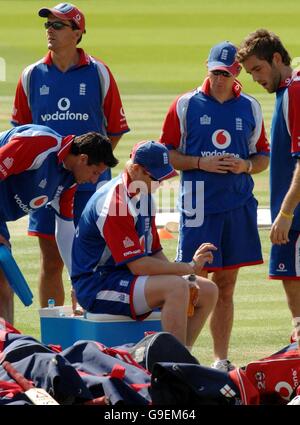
(259, 163)
(183, 162)
(155, 266)
(292, 198)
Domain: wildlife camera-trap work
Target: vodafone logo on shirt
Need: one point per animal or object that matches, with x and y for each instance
(221, 139)
(39, 201)
(63, 113)
(35, 203)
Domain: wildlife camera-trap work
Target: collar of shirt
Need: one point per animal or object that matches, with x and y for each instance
(288, 80)
(236, 87)
(83, 59)
(127, 181)
(66, 144)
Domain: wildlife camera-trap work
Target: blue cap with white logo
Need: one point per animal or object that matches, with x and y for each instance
(154, 157)
(222, 57)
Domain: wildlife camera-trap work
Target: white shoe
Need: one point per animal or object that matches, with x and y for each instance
(223, 365)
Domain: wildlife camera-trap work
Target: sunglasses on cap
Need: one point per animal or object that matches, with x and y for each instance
(221, 72)
(57, 25)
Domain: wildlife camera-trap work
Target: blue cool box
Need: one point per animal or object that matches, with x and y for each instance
(59, 327)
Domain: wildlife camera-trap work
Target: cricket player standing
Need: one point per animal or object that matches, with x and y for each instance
(73, 93)
(267, 60)
(216, 136)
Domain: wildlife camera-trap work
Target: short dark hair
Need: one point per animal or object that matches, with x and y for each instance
(75, 27)
(263, 44)
(97, 147)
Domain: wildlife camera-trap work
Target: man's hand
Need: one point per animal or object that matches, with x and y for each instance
(280, 230)
(236, 165)
(214, 164)
(77, 310)
(203, 255)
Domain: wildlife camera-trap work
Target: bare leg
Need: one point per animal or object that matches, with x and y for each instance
(172, 293)
(292, 291)
(222, 317)
(6, 300)
(50, 280)
(206, 303)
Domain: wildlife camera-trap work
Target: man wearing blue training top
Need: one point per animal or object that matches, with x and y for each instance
(73, 93)
(216, 135)
(118, 266)
(38, 167)
(264, 57)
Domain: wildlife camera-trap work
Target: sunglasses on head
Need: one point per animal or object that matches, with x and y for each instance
(220, 72)
(56, 25)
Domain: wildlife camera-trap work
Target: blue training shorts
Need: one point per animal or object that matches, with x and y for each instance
(285, 259)
(42, 221)
(115, 295)
(234, 233)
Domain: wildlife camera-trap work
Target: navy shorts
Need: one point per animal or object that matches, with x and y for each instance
(42, 221)
(115, 295)
(285, 259)
(234, 233)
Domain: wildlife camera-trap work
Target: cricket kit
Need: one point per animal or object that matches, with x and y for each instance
(82, 99)
(198, 125)
(32, 174)
(285, 133)
(115, 228)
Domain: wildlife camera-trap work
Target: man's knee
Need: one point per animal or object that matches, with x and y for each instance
(166, 289)
(209, 291)
(50, 258)
(179, 288)
(226, 284)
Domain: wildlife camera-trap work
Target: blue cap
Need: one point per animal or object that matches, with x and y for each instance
(154, 157)
(222, 57)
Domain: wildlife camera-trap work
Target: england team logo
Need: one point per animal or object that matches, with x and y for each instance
(221, 139)
(38, 202)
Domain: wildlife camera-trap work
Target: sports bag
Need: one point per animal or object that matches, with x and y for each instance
(275, 379)
(191, 385)
(159, 347)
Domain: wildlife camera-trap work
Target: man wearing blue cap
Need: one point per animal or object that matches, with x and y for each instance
(73, 93)
(118, 266)
(215, 135)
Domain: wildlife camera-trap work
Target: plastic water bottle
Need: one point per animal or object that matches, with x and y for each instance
(51, 303)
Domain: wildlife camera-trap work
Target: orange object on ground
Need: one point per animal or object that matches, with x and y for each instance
(164, 234)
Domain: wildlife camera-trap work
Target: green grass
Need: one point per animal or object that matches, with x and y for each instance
(157, 50)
